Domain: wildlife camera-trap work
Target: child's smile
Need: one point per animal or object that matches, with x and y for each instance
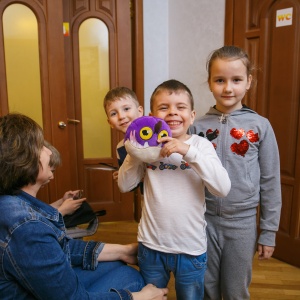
(176, 110)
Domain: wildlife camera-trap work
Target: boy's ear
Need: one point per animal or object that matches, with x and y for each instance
(150, 113)
(193, 115)
(141, 111)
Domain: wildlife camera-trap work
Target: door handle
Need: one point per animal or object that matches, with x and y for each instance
(73, 121)
(62, 124)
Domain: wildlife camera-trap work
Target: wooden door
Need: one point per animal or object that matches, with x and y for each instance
(92, 133)
(46, 18)
(269, 30)
(61, 95)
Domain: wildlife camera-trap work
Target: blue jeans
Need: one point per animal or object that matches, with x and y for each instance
(188, 271)
(110, 275)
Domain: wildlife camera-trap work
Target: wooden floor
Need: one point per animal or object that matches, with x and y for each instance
(271, 280)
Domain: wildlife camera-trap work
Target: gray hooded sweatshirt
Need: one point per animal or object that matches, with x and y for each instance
(246, 145)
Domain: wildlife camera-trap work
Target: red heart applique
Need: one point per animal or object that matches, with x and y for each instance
(237, 133)
(252, 137)
(241, 148)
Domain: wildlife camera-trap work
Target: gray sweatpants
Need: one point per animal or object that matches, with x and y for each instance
(230, 252)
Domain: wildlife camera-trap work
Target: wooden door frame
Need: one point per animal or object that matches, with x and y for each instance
(228, 32)
(138, 50)
(138, 76)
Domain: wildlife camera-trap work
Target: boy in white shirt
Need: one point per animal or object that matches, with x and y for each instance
(172, 230)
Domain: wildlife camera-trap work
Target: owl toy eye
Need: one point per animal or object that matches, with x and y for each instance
(146, 133)
(163, 133)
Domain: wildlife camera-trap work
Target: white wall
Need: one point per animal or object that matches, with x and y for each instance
(178, 37)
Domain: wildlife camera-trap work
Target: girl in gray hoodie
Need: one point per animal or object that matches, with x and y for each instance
(246, 144)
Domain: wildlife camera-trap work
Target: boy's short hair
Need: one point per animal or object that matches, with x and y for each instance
(172, 86)
(118, 93)
(55, 158)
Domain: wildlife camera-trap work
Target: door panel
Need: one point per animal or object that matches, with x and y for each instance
(48, 15)
(275, 50)
(95, 141)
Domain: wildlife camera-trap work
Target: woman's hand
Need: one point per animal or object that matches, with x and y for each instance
(151, 292)
(126, 253)
(72, 194)
(130, 253)
(69, 206)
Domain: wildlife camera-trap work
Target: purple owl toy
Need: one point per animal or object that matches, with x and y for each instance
(142, 135)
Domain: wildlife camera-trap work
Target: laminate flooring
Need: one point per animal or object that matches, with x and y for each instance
(272, 279)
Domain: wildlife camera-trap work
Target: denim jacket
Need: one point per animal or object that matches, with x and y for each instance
(36, 255)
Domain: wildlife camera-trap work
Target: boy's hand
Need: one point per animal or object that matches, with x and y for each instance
(173, 146)
(115, 175)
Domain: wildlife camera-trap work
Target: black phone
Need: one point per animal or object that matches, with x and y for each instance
(78, 195)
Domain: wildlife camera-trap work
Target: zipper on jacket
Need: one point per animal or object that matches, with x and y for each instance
(223, 118)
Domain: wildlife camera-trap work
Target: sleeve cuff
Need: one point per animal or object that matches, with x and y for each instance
(91, 253)
(267, 238)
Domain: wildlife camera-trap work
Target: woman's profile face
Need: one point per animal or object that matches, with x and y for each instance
(45, 173)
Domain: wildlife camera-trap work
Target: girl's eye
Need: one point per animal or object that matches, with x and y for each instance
(127, 108)
(237, 80)
(112, 114)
